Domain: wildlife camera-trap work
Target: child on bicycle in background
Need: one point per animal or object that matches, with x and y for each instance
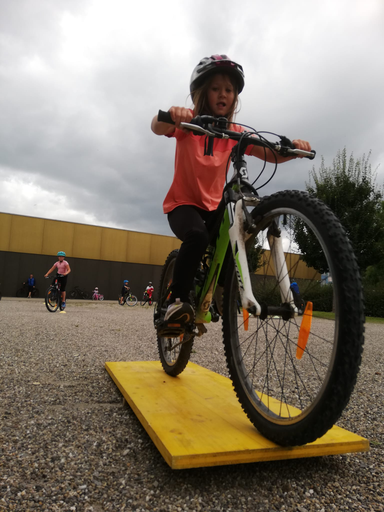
(125, 289)
(149, 291)
(62, 267)
(199, 179)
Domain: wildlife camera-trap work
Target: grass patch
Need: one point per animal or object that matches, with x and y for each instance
(331, 316)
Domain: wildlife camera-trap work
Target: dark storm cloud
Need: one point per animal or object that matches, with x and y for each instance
(81, 82)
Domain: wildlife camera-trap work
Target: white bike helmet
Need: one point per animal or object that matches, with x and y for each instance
(216, 64)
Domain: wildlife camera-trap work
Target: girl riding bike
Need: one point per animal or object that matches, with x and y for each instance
(62, 267)
(200, 172)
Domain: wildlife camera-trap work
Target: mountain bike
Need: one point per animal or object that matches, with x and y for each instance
(77, 293)
(53, 295)
(129, 299)
(293, 375)
(23, 291)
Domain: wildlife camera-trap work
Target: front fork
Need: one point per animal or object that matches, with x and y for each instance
(234, 224)
(280, 265)
(238, 237)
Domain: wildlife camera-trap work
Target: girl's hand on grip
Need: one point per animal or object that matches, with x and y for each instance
(180, 115)
(302, 144)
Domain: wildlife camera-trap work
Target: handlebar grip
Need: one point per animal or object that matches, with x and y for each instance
(165, 117)
(313, 154)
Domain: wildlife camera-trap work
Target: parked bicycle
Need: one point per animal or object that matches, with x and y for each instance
(23, 291)
(293, 375)
(77, 293)
(53, 295)
(129, 299)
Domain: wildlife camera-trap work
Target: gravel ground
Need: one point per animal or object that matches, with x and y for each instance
(67, 441)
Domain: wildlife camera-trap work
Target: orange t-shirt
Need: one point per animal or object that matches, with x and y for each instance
(198, 180)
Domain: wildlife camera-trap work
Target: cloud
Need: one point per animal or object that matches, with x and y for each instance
(81, 81)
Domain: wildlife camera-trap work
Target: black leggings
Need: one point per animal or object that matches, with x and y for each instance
(192, 226)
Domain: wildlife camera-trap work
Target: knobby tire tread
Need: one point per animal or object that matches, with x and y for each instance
(351, 327)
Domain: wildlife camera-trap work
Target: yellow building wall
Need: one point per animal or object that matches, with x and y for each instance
(33, 235)
(5, 231)
(293, 262)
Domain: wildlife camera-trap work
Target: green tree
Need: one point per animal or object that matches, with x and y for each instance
(349, 188)
(375, 272)
(254, 257)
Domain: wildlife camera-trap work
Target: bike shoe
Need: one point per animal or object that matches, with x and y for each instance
(62, 307)
(179, 313)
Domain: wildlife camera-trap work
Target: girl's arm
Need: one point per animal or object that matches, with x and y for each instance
(50, 270)
(178, 114)
(272, 157)
(68, 270)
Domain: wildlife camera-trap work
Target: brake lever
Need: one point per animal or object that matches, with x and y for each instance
(286, 145)
(196, 128)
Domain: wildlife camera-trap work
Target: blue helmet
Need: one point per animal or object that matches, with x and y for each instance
(61, 253)
(126, 281)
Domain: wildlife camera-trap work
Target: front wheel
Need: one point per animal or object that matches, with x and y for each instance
(52, 299)
(22, 292)
(174, 353)
(131, 300)
(294, 377)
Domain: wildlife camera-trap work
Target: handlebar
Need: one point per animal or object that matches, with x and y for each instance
(217, 128)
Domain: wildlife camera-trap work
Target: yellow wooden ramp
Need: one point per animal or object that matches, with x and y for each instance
(195, 419)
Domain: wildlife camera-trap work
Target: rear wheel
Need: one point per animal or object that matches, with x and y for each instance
(174, 353)
(52, 299)
(131, 300)
(294, 377)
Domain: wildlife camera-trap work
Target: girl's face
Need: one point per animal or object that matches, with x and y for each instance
(220, 95)
(61, 258)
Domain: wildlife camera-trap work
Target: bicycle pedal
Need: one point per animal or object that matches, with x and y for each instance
(173, 329)
(201, 329)
(169, 332)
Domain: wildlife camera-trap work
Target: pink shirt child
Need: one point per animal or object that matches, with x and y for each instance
(198, 180)
(61, 266)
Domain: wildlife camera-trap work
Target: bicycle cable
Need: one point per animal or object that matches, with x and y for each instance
(268, 145)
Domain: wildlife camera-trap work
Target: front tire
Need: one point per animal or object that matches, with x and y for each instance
(131, 300)
(35, 293)
(22, 292)
(52, 299)
(292, 400)
(174, 356)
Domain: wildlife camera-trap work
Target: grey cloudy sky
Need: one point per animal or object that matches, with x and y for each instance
(80, 81)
